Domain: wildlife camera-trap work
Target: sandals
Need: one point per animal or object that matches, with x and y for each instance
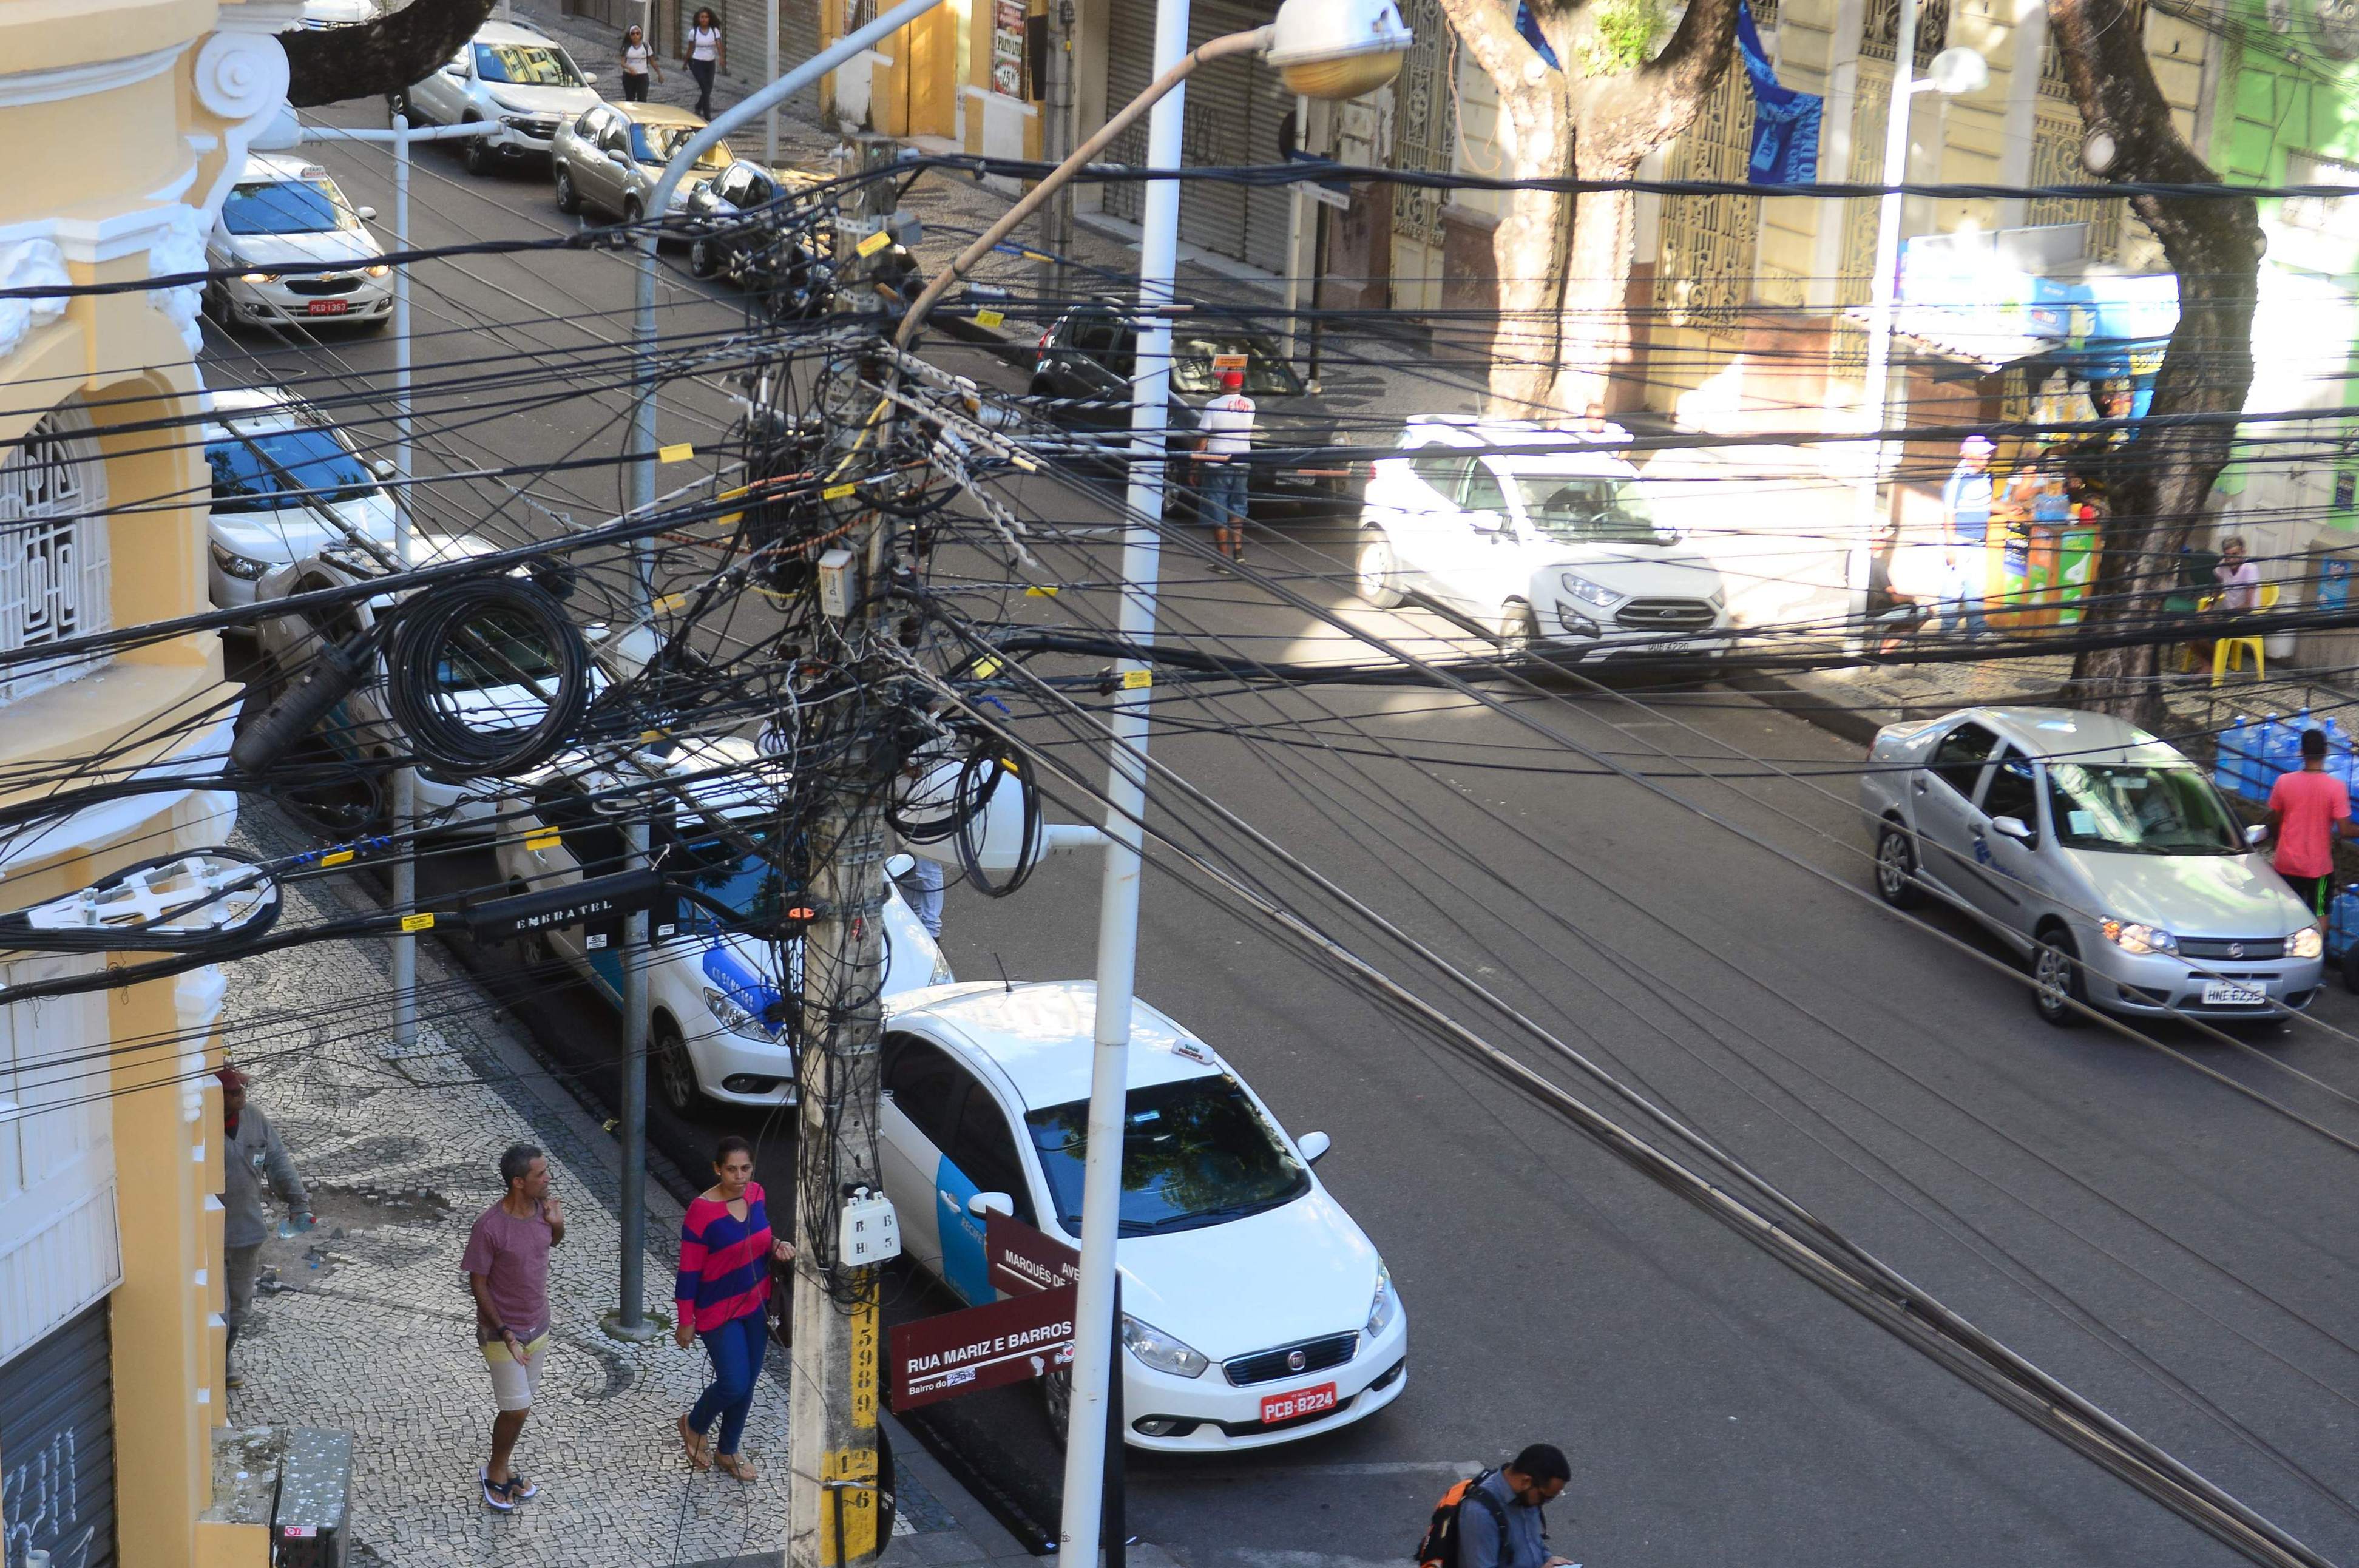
(700, 1456)
(495, 1495)
(736, 1465)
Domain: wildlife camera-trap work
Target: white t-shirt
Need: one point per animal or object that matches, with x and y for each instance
(1228, 424)
(635, 57)
(704, 43)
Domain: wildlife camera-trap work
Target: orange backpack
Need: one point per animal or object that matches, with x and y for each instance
(1437, 1547)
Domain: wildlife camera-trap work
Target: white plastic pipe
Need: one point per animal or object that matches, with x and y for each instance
(1884, 285)
(405, 779)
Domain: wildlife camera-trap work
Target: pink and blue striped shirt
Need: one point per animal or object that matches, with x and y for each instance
(724, 1262)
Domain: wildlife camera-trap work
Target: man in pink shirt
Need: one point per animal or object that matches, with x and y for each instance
(2307, 810)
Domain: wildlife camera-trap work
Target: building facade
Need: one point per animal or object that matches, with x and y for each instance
(129, 117)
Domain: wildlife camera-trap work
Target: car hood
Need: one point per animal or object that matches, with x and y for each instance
(263, 252)
(1642, 572)
(2193, 895)
(1291, 1273)
(556, 102)
(295, 533)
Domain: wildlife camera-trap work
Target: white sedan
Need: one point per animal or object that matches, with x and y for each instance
(1254, 1310)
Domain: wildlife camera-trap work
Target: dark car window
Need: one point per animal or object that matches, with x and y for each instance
(1480, 491)
(1958, 760)
(284, 207)
(2011, 791)
(588, 126)
(2133, 809)
(1109, 342)
(656, 145)
(984, 1149)
(1193, 1153)
(1440, 469)
(927, 1086)
(526, 65)
(593, 839)
(284, 470)
(338, 623)
(1194, 375)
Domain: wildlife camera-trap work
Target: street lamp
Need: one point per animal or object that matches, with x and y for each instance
(1952, 71)
(1324, 49)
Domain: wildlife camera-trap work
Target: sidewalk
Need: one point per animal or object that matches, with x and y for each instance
(366, 1324)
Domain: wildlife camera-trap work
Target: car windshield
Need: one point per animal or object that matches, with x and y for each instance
(740, 881)
(1193, 1153)
(2137, 809)
(655, 144)
(1192, 371)
(527, 65)
(1585, 508)
(258, 474)
(503, 648)
(285, 206)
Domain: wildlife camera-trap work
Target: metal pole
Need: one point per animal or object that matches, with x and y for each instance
(631, 1322)
(1057, 145)
(770, 116)
(639, 450)
(1094, 1342)
(1884, 285)
(405, 779)
(1297, 220)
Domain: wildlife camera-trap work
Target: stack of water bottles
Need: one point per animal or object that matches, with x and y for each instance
(2253, 752)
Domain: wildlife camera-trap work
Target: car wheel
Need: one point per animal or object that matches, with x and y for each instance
(1895, 868)
(2058, 984)
(631, 211)
(1518, 629)
(569, 198)
(1057, 1400)
(702, 261)
(1375, 571)
(477, 157)
(674, 1074)
(398, 102)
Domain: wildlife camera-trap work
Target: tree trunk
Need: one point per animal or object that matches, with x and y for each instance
(2165, 476)
(1596, 323)
(403, 47)
(1527, 249)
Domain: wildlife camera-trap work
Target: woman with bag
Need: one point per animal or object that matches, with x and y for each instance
(706, 54)
(727, 1248)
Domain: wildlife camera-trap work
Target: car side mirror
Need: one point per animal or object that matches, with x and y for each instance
(1313, 1144)
(455, 69)
(589, 79)
(2258, 833)
(383, 467)
(986, 1203)
(619, 156)
(1487, 523)
(2012, 827)
(899, 865)
(364, 214)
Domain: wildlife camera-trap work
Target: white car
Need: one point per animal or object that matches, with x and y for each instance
(287, 483)
(1552, 544)
(508, 76)
(1254, 1310)
(285, 212)
(720, 1024)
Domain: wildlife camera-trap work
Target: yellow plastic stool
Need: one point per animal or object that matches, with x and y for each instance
(2227, 653)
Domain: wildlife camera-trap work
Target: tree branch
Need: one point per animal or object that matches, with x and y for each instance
(327, 64)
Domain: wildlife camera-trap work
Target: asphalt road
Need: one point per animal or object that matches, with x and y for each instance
(2176, 1251)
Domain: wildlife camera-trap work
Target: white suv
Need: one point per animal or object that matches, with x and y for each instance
(287, 483)
(510, 76)
(1542, 537)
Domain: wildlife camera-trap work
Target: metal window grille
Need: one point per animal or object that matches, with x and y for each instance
(1880, 31)
(53, 557)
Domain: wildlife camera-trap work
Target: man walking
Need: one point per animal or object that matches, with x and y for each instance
(252, 1160)
(2307, 810)
(507, 1263)
(1966, 501)
(1228, 431)
(1500, 1524)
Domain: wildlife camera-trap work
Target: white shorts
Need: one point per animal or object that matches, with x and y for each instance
(515, 1382)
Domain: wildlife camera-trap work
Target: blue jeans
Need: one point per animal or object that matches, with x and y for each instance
(1224, 503)
(1961, 604)
(702, 71)
(736, 1351)
(923, 890)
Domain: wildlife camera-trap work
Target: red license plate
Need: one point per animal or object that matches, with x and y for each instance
(1301, 1402)
(327, 307)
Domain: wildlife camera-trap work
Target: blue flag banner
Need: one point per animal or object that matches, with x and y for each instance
(1530, 29)
(1785, 123)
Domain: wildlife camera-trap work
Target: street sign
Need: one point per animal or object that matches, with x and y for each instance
(988, 1346)
(1328, 197)
(1024, 1259)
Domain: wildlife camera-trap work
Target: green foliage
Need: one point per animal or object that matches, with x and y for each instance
(1623, 34)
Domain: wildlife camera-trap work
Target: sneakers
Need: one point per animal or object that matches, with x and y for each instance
(232, 1380)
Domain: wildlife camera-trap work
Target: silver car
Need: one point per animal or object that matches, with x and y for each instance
(609, 159)
(2103, 855)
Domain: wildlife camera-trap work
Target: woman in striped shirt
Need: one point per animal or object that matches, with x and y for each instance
(726, 1252)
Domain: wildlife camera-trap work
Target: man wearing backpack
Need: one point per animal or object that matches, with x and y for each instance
(1494, 1519)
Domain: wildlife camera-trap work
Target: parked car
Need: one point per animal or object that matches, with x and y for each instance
(2103, 855)
(742, 227)
(287, 483)
(609, 159)
(721, 1009)
(1552, 545)
(508, 76)
(284, 211)
(1088, 356)
(1254, 1310)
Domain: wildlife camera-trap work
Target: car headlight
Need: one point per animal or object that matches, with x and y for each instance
(1582, 588)
(2307, 942)
(1385, 1308)
(1160, 1350)
(2132, 937)
(257, 277)
(379, 270)
(244, 568)
(734, 1017)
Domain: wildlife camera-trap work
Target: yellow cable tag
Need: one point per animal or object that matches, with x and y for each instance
(873, 243)
(837, 492)
(544, 838)
(417, 922)
(665, 603)
(1039, 591)
(989, 318)
(985, 667)
(728, 519)
(678, 452)
(1137, 679)
(337, 858)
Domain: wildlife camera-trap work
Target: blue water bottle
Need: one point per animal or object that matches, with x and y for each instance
(2228, 764)
(2342, 921)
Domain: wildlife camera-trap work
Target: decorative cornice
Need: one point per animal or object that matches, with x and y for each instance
(18, 88)
(29, 263)
(178, 247)
(241, 75)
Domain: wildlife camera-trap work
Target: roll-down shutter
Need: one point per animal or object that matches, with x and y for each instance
(57, 1447)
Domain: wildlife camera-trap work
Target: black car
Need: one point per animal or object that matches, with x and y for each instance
(741, 230)
(1087, 359)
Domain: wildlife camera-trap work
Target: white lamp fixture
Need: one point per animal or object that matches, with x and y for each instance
(1337, 49)
(1957, 71)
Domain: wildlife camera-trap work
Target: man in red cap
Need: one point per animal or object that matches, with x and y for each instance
(1227, 428)
(253, 1159)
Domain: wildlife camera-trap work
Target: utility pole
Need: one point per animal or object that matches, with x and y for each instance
(405, 779)
(1056, 145)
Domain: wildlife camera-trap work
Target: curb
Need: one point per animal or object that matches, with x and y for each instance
(1786, 696)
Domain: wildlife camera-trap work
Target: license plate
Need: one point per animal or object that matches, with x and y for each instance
(2227, 994)
(1301, 1402)
(326, 308)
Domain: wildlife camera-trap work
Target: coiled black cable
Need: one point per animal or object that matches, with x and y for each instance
(481, 635)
